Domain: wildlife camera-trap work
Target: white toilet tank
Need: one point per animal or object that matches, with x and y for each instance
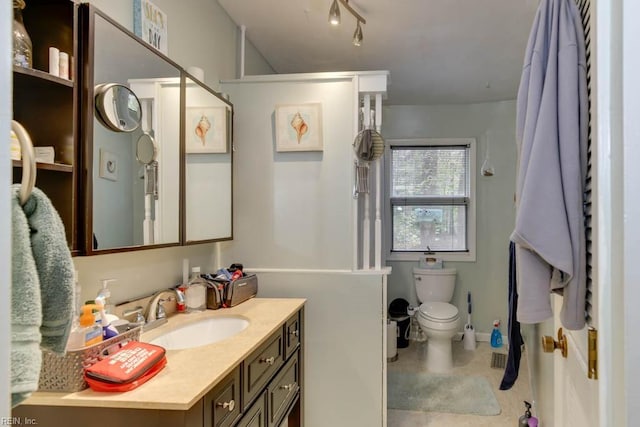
(434, 284)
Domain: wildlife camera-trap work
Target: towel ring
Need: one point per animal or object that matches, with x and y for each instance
(28, 161)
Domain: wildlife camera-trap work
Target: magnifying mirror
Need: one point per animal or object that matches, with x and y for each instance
(146, 149)
(117, 107)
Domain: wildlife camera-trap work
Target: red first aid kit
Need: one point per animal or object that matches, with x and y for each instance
(133, 365)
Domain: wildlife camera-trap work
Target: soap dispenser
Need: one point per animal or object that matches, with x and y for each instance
(89, 332)
(105, 295)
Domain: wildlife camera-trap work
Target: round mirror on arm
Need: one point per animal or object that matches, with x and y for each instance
(117, 107)
(146, 149)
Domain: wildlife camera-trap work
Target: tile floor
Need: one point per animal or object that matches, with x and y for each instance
(478, 362)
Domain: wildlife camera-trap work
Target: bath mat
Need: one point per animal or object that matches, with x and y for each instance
(456, 394)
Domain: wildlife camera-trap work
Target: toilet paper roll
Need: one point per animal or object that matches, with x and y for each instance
(196, 72)
(392, 340)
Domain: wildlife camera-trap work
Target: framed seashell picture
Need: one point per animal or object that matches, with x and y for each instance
(299, 127)
(206, 130)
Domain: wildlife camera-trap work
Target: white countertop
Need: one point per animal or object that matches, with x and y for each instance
(190, 373)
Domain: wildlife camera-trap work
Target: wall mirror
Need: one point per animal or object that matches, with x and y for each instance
(208, 164)
(132, 154)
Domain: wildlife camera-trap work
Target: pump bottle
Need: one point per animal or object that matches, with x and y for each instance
(196, 292)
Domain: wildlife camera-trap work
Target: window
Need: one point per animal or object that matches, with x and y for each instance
(431, 198)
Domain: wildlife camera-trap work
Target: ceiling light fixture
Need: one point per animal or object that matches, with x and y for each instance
(334, 19)
(334, 13)
(357, 36)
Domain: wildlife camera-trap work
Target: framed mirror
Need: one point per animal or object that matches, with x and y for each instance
(131, 138)
(208, 164)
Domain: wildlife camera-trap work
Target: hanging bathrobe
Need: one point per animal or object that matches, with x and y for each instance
(552, 122)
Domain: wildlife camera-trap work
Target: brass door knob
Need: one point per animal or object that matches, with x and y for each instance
(549, 344)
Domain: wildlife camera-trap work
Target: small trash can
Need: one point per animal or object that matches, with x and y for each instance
(398, 312)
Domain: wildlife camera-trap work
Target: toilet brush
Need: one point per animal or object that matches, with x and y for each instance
(469, 338)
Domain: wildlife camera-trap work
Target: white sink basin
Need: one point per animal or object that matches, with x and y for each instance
(201, 333)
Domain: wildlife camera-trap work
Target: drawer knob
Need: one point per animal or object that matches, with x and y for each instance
(230, 405)
(294, 333)
(287, 386)
(269, 360)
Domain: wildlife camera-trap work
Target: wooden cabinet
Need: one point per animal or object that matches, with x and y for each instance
(257, 415)
(272, 398)
(283, 390)
(260, 367)
(46, 106)
(222, 404)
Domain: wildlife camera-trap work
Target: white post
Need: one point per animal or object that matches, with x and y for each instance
(352, 159)
(366, 222)
(243, 36)
(378, 221)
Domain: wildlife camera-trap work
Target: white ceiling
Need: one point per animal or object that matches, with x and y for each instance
(437, 51)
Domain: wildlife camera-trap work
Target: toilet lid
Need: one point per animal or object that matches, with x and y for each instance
(438, 311)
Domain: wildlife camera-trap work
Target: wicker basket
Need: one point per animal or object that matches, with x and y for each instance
(66, 373)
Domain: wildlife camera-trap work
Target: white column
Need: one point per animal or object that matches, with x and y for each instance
(366, 222)
(378, 221)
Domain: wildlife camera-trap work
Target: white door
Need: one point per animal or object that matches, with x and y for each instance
(612, 400)
(576, 397)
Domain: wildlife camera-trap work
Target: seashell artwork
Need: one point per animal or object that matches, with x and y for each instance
(202, 128)
(299, 125)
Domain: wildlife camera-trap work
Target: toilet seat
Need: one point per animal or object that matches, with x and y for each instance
(438, 311)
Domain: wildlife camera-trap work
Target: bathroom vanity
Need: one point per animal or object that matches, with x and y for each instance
(254, 378)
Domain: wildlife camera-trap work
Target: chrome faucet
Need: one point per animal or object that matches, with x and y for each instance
(156, 313)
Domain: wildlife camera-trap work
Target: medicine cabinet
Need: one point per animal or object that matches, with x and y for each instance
(166, 180)
(127, 205)
(45, 105)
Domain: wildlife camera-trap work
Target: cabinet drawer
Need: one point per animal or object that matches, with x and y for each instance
(291, 335)
(260, 367)
(222, 404)
(256, 416)
(283, 390)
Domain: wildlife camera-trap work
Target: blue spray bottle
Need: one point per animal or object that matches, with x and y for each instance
(496, 335)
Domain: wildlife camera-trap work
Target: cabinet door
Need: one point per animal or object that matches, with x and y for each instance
(256, 416)
(222, 404)
(283, 390)
(260, 367)
(291, 335)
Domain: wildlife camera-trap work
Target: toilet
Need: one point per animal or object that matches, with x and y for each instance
(438, 319)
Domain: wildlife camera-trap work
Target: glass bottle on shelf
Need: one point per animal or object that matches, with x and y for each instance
(22, 47)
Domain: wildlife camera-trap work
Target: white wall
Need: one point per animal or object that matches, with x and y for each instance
(487, 277)
(5, 220)
(291, 209)
(343, 344)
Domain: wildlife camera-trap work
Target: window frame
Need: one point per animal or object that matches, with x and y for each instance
(466, 256)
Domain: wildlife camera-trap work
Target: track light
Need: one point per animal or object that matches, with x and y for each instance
(334, 19)
(334, 13)
(357, 36)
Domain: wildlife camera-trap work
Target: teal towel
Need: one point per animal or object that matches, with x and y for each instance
(26, 308)
(55, 270)
(42, 289)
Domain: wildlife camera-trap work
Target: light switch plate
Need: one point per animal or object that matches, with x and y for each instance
(108, 165)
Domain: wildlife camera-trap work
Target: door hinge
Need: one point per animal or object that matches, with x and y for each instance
(593, 354)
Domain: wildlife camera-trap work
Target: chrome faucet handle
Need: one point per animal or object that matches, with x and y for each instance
(137, 312)
(160, 313)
